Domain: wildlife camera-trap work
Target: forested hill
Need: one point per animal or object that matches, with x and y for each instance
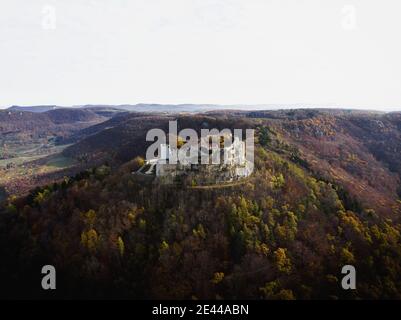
(358, 150)
(323, 194)
(37, 124)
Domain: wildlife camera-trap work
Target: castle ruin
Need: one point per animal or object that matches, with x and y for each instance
(227, 164)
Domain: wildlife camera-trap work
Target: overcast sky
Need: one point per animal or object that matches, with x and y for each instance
(343, 53)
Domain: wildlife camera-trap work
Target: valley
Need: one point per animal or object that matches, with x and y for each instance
(31, 145)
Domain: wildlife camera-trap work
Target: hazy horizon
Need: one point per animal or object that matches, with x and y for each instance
(226, 52)
(232, 106)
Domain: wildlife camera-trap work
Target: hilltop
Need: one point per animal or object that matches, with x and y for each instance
(359, 150)
(37, 123)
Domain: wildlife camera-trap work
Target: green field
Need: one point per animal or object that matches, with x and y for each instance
(58, 161)
(26, 167)
(28, 154)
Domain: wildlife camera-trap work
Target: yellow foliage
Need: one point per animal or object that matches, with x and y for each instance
(164, 246)
(90, 217)
(41, 196)
(121, 246)
(277, 182)
(347, 256)
(199, 232)
(218, 277)
(283, 263)
(90, 239)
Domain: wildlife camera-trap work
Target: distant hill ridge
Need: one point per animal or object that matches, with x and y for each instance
(58, 121)
(174, 108)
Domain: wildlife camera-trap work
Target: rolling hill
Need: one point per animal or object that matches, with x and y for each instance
(359, 150)
(36, 123)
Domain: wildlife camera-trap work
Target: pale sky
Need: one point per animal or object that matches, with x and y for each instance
(334, 52)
